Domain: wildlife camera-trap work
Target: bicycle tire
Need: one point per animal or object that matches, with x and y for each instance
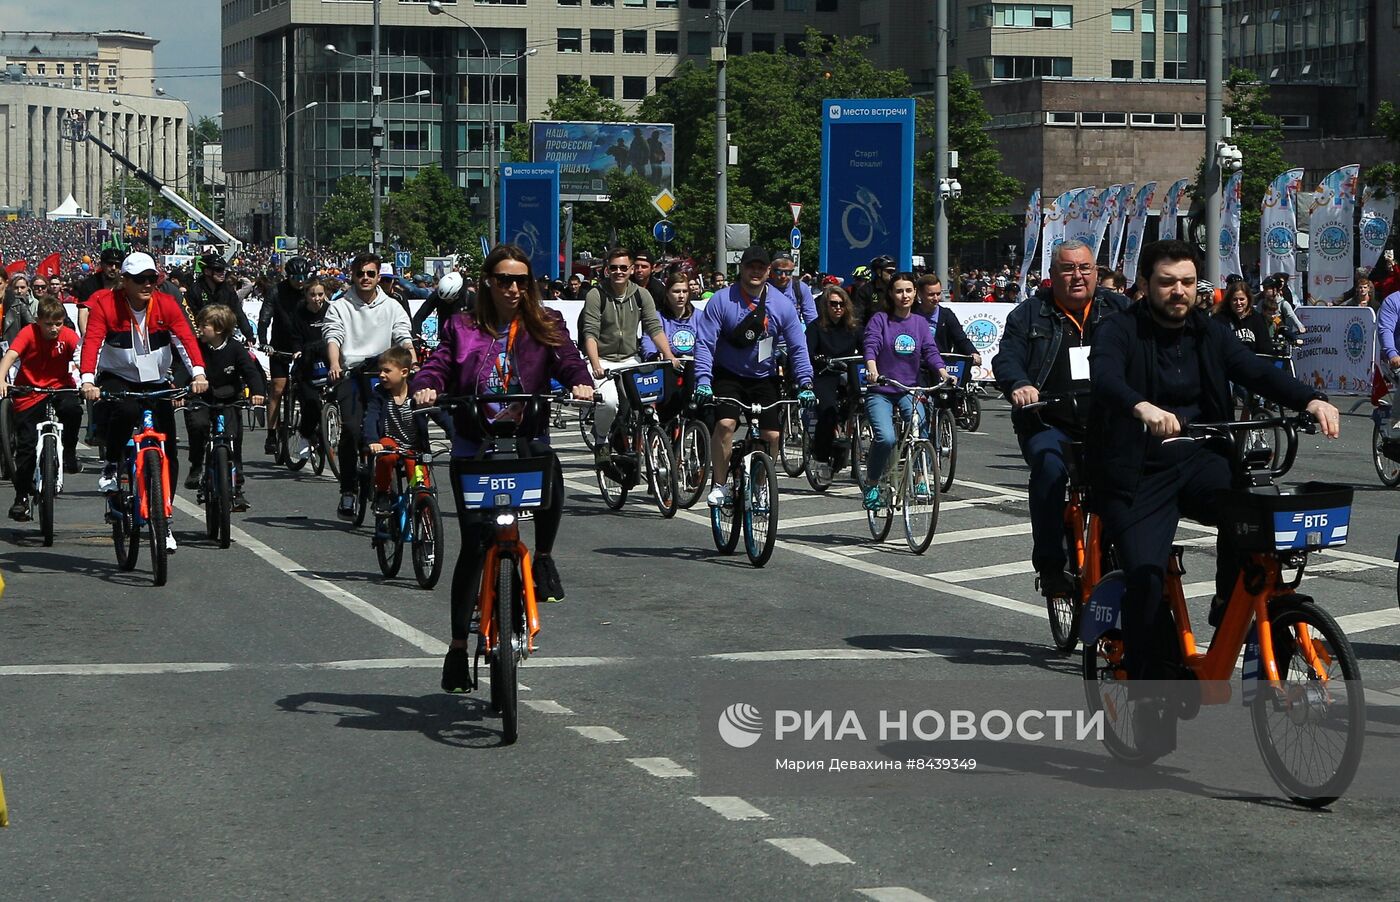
(427, 540)
(7, 438)
(585, 427)
(862, 436)
(330, 435)
(126, 538)
(946, 434)
(318, 456)
(48, 487)
(1387, 469)
(504, 688)
(289, 425)
(692, 462)
(661, 471)
(879, 521)
(157, 527)
(761, 510)
(388, 534)
(793, 430)
(1104, 654)
(725, 519)
(973, 420)
(364, 487)
(614, 491)
(921, 497)
(1343, 677)
(219, 501)
(1065, 613)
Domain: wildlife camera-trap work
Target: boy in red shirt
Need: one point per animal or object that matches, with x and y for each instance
(44, 350)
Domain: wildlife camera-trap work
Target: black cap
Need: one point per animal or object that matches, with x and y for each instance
(1274, 281)
(214, 262)
(641, 256)
(112, 255)
(883, 261)
(755, 254)
(783, 255)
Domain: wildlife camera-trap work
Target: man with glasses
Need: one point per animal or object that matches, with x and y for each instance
(130, 343)
(277, 315)
(1045, 350)
(793, 289)
(612, 313)
(359, 327)
(213, 287)
(108, 275)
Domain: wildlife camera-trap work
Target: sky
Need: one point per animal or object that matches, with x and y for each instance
(188, 30)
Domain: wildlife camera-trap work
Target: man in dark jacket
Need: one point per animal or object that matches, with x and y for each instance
(276, 317)
(1045, 350)
(108, 275)
(309, 344)
(869, 296)
(947, 331)
(1157, 368)
(212, 287)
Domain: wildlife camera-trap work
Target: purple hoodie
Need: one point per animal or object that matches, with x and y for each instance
(899, 347)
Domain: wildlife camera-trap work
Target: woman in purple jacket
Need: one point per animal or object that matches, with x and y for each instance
(511, 344)
(896, 345)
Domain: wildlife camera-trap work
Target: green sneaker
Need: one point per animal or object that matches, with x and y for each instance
(872, 498)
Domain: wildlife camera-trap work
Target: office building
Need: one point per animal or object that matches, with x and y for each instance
(113, 62)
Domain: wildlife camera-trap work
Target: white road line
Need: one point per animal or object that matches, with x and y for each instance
(731, 808)
(343, 597)
(989, 532)
(859, 514)
(893, 894)
(661, 767)
(1365, 621)
(1357, 556)
(825, 654)
(600, 734)
(1206, 588)
(991, 571)
(809, 851)
(108, 669)
(547, 706)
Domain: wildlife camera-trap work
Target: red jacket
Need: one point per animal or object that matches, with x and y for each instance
(110, 342)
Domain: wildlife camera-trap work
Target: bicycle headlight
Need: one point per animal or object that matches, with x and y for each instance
(505, 518)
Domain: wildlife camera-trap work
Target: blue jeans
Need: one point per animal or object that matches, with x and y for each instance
(1045, 454)
(880, 409)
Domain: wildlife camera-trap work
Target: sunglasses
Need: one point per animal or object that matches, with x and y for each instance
(506, 279)
(368, 274)
(835, 303)
(782, 272)
(145, 278)
(618, 268)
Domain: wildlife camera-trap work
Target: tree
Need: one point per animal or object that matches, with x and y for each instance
(430, 215)
(1259, 137)
(206, 131)
(1386, 176)
(344, 222)
(577, 101)
(625, 220)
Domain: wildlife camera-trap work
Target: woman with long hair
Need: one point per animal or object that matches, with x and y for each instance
(1237, 311)
(834, 333)
(677, 318)
(19, 308)
(510, 343)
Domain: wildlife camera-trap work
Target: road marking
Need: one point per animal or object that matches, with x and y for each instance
(109, 669)
(811, 852)
(988, 532)
(1207, 587)
(661, 767)
(600, 734)
(547, 706)
(893, 894)
(1368, 620)
(826, 654)
(859, 514)
(731, 808)
(1010, 568)
(343, 597)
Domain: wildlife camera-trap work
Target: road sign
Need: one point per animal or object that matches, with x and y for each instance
(279, 243)
(402, 260)
(797, 260)
(485, 247)
(796, 237)
(732, 256)
(796, 209)
(664, 202)
(664, 231)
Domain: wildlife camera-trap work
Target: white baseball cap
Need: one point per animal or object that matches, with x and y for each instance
(137, 263)
(386, 269)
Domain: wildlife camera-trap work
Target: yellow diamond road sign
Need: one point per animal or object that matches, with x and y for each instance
(664, 202)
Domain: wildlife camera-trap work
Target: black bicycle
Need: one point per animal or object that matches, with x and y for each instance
(220, 479)
(640, 446)
(48, 469)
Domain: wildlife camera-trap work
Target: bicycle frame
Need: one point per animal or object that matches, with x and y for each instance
(507, 543)
(403, 502)
(50, 432)
(142, 440)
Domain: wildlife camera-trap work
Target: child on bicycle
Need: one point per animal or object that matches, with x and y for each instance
(231, 371)
(44, 351)
(390, 423)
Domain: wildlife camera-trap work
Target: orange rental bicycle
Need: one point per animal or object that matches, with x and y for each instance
(143, 496)
(1300, 675)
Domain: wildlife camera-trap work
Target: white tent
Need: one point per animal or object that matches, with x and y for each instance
(69, 209)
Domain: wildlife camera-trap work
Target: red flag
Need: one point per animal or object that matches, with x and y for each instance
(16, 267)
(50, 266)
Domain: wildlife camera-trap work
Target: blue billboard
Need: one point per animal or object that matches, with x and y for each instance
(530, 213)
(587, 151)
(867, 183)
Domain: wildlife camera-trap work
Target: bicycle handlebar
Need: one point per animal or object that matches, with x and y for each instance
(244, 403)
(753, 410)
(163, 394)
(916, 389)
(36, 390)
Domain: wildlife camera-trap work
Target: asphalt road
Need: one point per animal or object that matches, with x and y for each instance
(269, 725)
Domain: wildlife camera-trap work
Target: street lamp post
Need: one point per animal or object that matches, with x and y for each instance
(436, 8)
(281, 150)
(1215, 56)
(720, 55)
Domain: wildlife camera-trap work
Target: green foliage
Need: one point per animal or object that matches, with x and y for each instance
(344, 223)
(578, 101)
(430, 216)
(629, 214)
(207, 130)
(1258, 135)
(1386, 176)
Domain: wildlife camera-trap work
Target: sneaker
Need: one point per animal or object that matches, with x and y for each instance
(303, 448)
(383, 504)
(720, 496)
(107, 482)
(192, 480)
(170, 545)
(821, 470)
(240, 502)
(346, 510)
(1217, 610)
(872, 498)
(456, 671)
(547, 585)
(1054, 583)
(20, 510)
(270, 446)
(70, 462)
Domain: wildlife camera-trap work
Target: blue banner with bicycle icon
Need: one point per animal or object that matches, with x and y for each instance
(530, 213)
(867, 183)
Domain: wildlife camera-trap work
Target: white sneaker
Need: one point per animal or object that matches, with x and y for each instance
(719, 496)
(107, 482)
(170, 546)
(304, 448)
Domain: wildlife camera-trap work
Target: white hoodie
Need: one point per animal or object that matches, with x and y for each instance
(364, 331)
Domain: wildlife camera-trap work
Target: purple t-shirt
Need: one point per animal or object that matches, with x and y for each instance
(899, 347)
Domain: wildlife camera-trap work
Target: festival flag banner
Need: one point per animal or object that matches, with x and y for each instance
(50, 266)
(1377, 214)
(1230, 227)
(1031, 234)
(1331, 235)
(1103, 212)
(1137, 225)
(1080, 225)
(530, 213)
(1116, 228)
(867, 182)
(1278, 225)
(16, 267)
(1171, 210)
(1053, 234)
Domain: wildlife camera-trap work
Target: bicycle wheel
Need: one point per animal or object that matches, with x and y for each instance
(157, 527)
(790, 442)
(880, 521)
(614, 489)
(427, 540)
(289, 430)
(48, 486)
(1387, 469)
(330, 435)
(725, 518)
(921, 497)
(218, 504)
(126, 539)
(388, 534)
(761, 510)
(661, 471)
(318, 455)
(972, 416)
(365, 484)
(946, 434)
(503, 676)
(692, 462)
(585, 427)
(1065, 612)
(862, 437)
(7, 438)
(1106, 689)
(1310, 731)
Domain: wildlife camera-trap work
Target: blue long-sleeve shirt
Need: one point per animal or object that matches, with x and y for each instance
(801, 297)
(680, 334)
(899, 347)
(720, 318)
(1387, 323)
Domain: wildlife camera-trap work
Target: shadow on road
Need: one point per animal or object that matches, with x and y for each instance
(449, 719)
(981, 652)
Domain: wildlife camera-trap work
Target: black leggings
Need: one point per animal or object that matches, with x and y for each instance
(122, 418)
(478, 530)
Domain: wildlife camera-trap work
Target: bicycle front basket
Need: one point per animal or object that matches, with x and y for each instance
(504, 482)
(960, 370)
(1311, 516)
(645, 386)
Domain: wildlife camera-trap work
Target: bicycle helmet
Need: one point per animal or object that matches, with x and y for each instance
(298, 269)
(861, 272)
(450, 286)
